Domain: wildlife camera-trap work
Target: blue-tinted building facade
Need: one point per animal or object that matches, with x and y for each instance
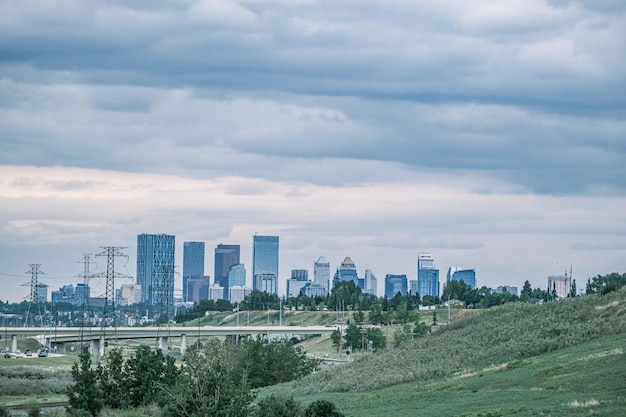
(193, 264)
(395, 284)
(466, 275)
(347, 272)
(155, 268)
(265, 263)
(237, 276)
(226, 256)
(427, 276)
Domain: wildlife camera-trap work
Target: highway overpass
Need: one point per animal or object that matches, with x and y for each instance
(97, 337)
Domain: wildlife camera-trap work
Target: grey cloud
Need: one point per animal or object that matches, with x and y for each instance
(531, 96)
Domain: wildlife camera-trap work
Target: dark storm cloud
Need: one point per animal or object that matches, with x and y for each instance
(529, 92)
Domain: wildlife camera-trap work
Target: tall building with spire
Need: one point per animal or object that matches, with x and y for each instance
(155, 268)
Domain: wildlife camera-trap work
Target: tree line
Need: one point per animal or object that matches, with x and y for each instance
(214, 379)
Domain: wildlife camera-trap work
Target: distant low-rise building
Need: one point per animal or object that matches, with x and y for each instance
(502, 288)
(559, 285)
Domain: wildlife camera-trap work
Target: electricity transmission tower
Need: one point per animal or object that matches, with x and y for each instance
(87, 261)
(108, 313)
(34, 298)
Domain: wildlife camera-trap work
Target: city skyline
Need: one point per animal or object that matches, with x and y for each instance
(490, 134)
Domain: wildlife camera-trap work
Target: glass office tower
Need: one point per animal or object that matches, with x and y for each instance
(193, 264)
(427, 276)
(226, 256)
(265, 263)
(155, 268)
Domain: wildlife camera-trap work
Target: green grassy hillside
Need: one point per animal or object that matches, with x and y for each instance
(559, 358)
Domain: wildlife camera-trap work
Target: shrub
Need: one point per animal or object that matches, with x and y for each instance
(276, 406)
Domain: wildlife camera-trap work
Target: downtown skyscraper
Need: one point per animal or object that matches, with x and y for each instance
(265, 263)
(193, 264)
(427, 276)
(155, 268)
(226, 256)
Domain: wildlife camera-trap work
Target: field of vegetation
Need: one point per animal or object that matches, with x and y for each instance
(558, 358)
(561, 357)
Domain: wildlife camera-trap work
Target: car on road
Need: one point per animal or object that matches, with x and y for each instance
(7, 355)
(43, 352)
(28, 352)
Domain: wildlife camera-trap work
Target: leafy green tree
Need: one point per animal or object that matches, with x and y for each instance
(207, 386)
(85, 393)
(336, 336)
(526, 292)
(401, 336)
(344, 296)
(148, 372)
(457, 290)
(375, 316)
(322, 408)
(276, 406)
(605, 283)
(353, 336)
(359, 316)
(260, 301)
(378, 338)
(114, 381)
(420, 329)
(572, 289)
(429, 300)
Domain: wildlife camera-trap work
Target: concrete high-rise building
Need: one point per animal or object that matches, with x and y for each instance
(459, 274)
(427, 276)
(395, 284)
(193, 263)
(216, 292)
(560, 285)
(226, 256)
(237, 293)
(155, 268)
(129, 294)
(371, 283)
(266, 283)
(265, 263)
(321, 272)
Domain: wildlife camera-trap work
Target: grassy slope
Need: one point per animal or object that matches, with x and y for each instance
(580, 380)
(561, 358)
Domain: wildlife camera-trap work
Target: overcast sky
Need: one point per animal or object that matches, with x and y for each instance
(491, 134)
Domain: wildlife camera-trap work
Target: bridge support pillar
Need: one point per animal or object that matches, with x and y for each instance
(94, 347)
(13, 343)
(163, 343)
(101, 347)
(183, 344)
